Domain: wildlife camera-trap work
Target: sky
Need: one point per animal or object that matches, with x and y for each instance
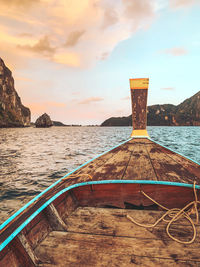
(73, 58)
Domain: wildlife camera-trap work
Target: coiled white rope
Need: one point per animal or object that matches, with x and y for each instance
(175, 214)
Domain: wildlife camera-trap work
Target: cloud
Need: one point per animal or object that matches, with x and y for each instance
(24, 34)
(175, 51)
(140, 12)
(168, 88)
(91, 100)
(182, 3)
(110, 17)
(74, 37)
(42, 46)
(93, 27)
(67, 58)
(18, 3)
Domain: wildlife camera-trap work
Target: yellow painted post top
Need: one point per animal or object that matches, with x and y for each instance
(139, 133)
(141, 83)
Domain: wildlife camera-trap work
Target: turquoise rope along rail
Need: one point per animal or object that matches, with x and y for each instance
(16, 232)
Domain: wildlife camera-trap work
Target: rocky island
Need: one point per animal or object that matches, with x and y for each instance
(44, 121)
(185, 114)
(12, 112)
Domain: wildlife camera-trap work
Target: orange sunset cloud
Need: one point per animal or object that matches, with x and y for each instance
(63, 32)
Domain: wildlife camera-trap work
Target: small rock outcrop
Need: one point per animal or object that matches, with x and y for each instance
(44, 121)
(12, 112)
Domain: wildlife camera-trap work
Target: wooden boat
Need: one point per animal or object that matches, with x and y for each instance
(84, 218)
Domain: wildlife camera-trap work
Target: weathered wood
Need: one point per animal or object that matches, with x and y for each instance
(23, 258)
(92, 249)
(28, 248)
(167, 169)
(168, 196)
(67, 206)
(139, 90)
(54, 218)
(139, 102)
(191, 167)
(117, 194)
(105, 237)
(125, 261)
(115, 167)
(8, 258)
(37, 230)
(139, 166)
(113, 222)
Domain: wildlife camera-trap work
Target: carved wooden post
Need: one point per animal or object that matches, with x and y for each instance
(139, 90)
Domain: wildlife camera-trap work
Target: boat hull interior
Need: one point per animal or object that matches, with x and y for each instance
(89, 223)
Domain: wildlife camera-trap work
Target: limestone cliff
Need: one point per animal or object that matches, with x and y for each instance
(12, 112)
(185, 114)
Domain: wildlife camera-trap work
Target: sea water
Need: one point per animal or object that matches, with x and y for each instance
(31, 159)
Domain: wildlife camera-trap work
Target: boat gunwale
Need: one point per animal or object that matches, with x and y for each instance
(70, 187)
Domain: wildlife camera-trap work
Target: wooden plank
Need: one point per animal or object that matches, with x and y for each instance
(54, 219)
(68, 205)
(139, 166)
(113, 222)
(166, 168)
(93, 250)
(38, 231)
(192, 167)
(124, 261)
(27, 248)
(20, 253)
(141, 141)
(9, 259)
(118, 194)
(168, 196)
(115, 167)
(108, 194)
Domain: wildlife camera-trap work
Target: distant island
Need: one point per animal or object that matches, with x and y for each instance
(185, 114)
(58, 123)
